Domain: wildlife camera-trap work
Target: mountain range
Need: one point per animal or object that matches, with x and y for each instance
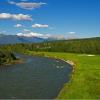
(12, 39)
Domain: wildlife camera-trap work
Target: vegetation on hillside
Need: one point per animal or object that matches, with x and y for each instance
(6, 57)
(89, 46)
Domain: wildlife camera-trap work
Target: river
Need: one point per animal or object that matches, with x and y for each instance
(35, 78)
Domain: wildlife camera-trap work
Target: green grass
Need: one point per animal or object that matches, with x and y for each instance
(85, 80)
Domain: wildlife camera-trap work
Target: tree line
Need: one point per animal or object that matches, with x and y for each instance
(89, 46)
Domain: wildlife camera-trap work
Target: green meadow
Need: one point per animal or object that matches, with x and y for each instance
(85, 79)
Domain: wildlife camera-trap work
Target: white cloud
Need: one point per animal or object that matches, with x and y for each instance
(71, 32)
(33, 34)
(71, 35)
(18, 25)
(29, 33)
(40, 26)
(15, 16)
(27, 5)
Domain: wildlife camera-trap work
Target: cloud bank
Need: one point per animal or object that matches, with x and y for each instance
(29, 33)
(28, 5)
(15, 16)
(33, 34)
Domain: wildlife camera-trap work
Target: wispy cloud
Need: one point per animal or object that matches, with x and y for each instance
(29, 33)
(15, 16)
(71, 35)
(40, 26)
(71, 32)
(18, 25)
(33, 34)
(27, 5)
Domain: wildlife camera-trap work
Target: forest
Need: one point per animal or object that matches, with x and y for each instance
(84, 46)
(89, 46)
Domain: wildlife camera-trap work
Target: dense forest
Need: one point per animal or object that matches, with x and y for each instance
(90, 46)
(73, 46)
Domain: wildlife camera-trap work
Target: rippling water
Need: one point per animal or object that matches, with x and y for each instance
(36, 78)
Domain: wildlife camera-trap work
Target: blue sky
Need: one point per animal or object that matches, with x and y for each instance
(55, 17)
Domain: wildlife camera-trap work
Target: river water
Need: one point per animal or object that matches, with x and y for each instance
(35, 78)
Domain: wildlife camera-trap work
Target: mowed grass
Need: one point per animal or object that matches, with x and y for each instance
(85, 80)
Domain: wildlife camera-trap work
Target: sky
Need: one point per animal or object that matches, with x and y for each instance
(61, 18)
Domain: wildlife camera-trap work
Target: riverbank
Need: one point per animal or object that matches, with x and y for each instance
(18, 61)
(85, 81)
(45, 75)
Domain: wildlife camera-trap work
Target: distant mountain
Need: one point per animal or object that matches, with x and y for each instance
(12, 39)
(30, 39)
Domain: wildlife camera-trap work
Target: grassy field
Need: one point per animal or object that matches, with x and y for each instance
(85, 81)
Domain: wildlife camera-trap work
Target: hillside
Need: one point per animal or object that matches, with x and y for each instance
(91, 45)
